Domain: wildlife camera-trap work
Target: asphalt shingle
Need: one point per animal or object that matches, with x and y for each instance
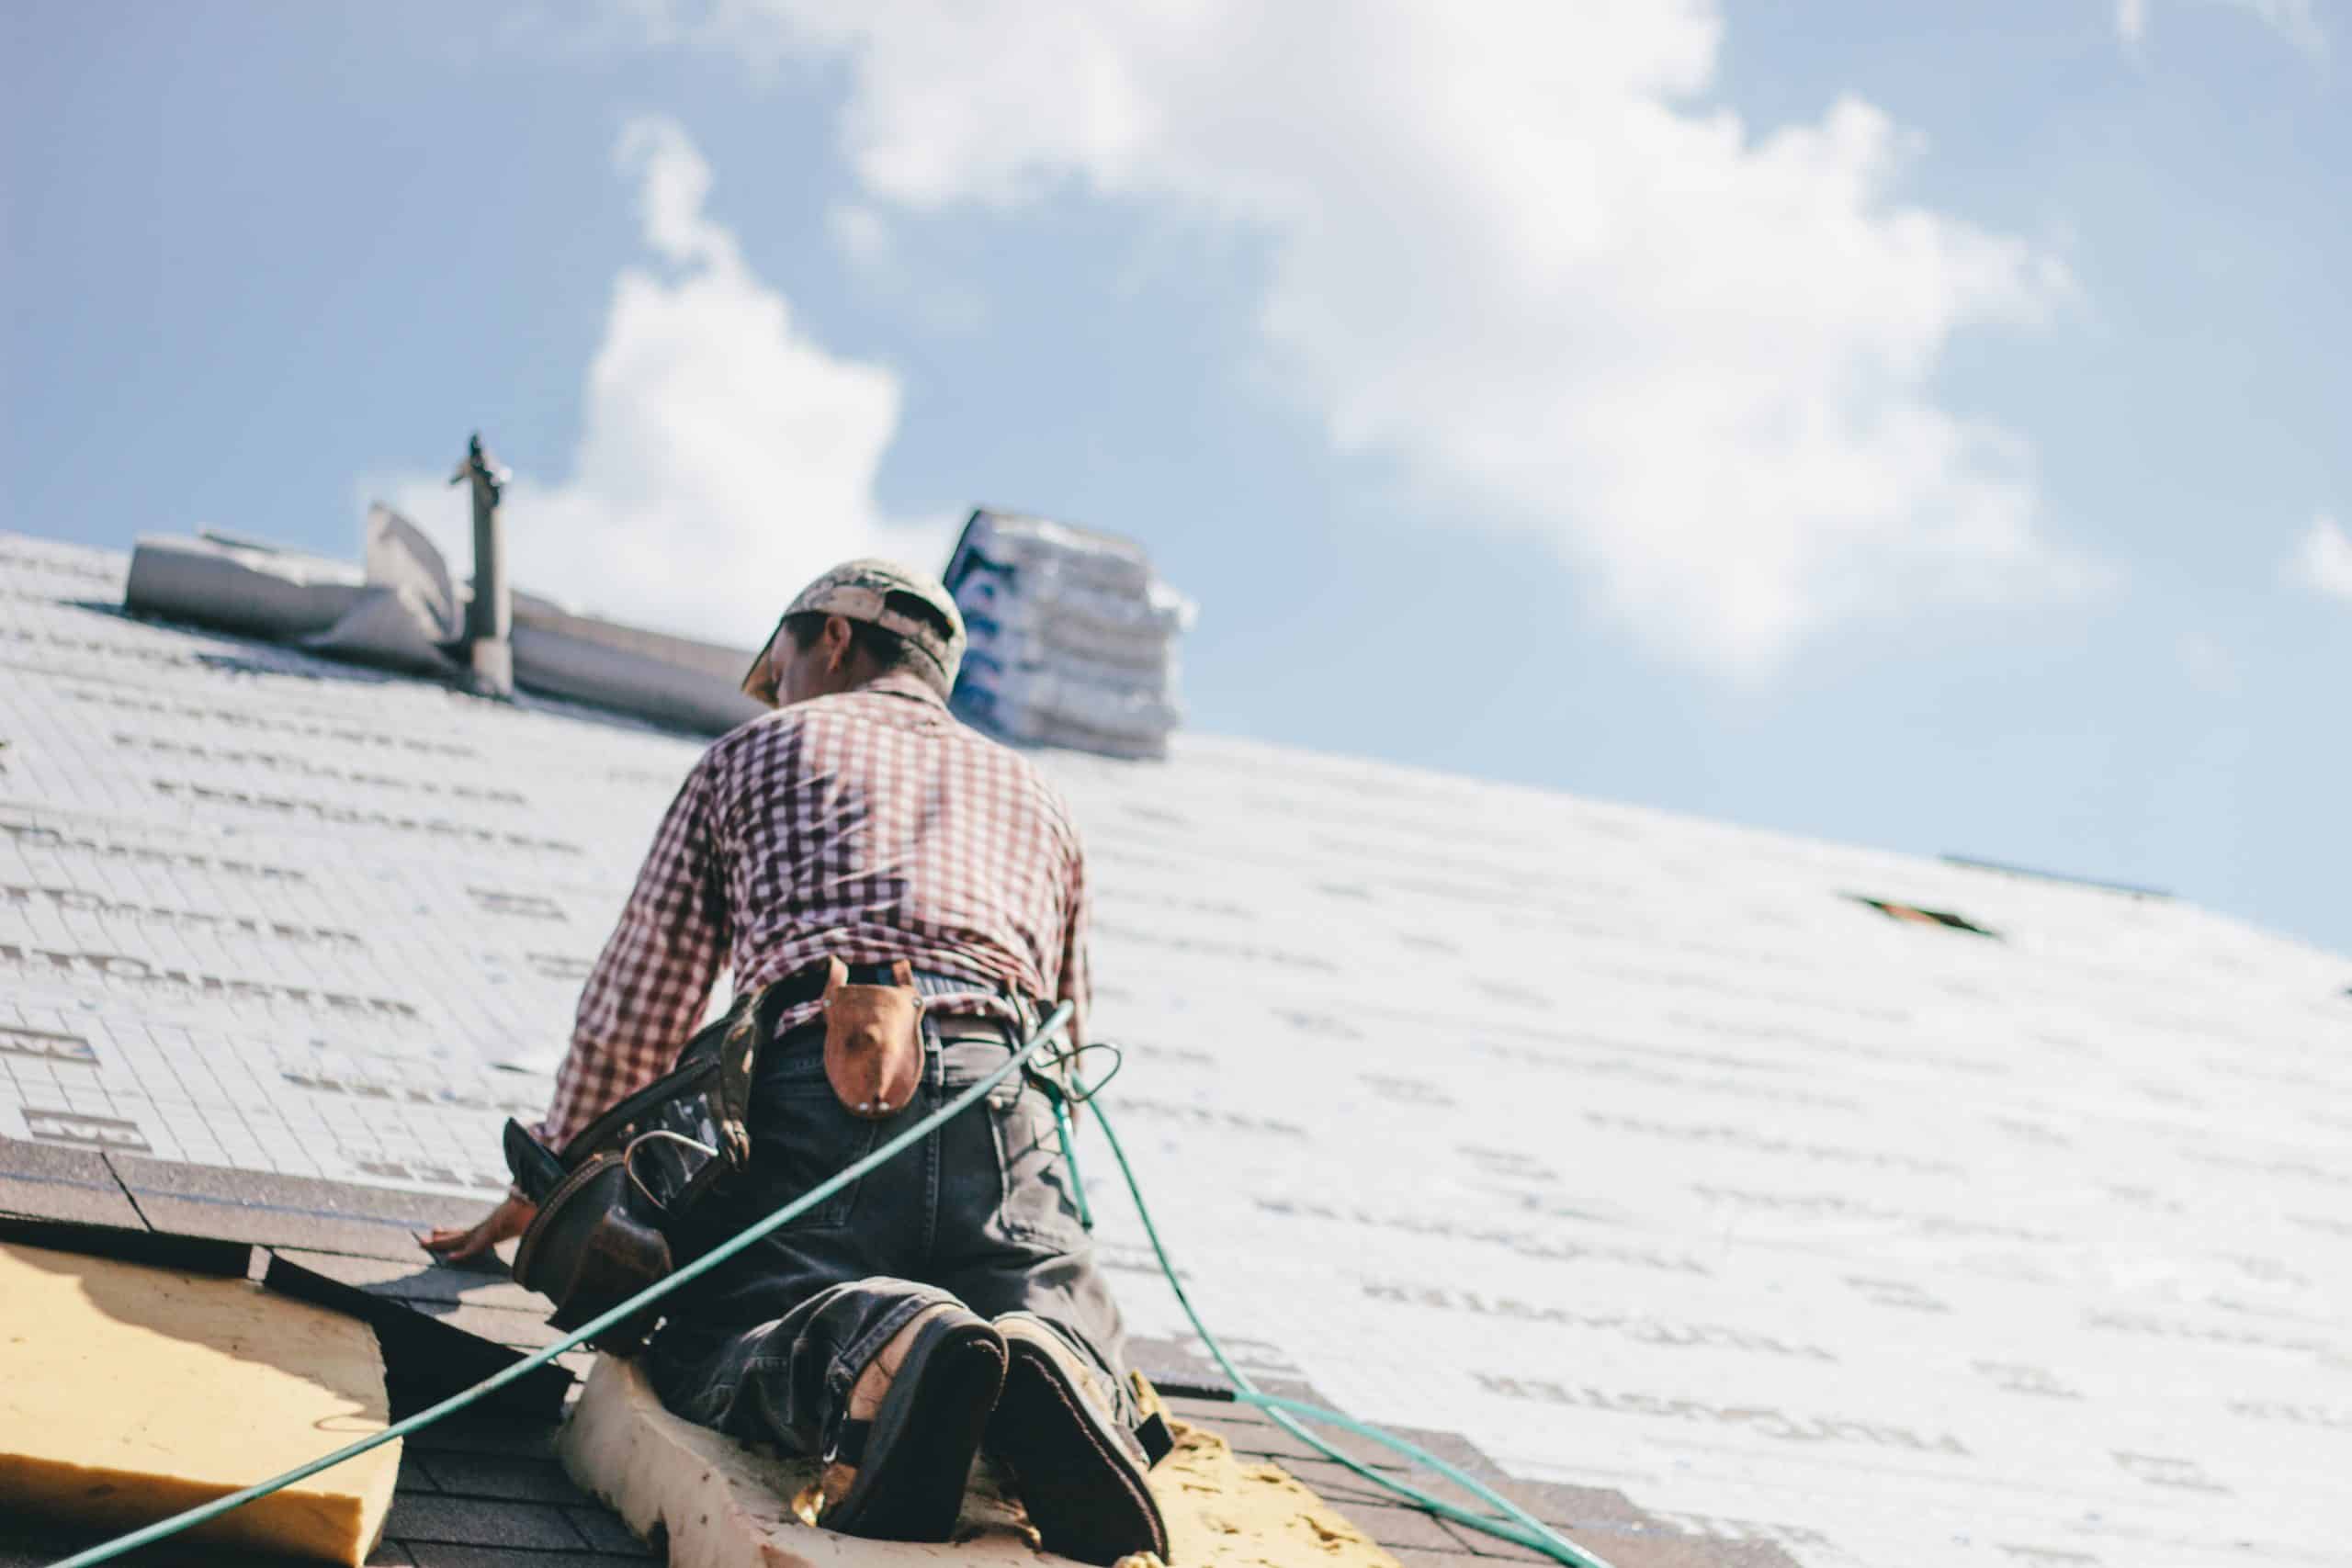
(419, 1518)
(500, 1476)
(62, 1183)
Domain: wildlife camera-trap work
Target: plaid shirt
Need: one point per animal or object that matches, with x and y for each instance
(868, 826)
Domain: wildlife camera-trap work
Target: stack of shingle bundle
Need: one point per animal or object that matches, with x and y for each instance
(1073, 638)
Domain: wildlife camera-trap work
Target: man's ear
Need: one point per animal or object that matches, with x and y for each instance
(839, 636)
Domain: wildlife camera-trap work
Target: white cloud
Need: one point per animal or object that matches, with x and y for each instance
(2295, 21)
(1526, 253)
(2322, 559)
(724, 458)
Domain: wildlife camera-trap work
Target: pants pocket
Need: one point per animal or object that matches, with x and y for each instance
(801, 1137)
(1038, 1205)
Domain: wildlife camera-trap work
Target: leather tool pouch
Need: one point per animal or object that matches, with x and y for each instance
(606, 1201)
(873, 1038)
(592, 1244)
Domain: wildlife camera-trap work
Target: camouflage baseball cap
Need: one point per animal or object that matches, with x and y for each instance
(877, 592)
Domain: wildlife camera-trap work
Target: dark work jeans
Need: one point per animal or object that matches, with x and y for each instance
(766, 1346)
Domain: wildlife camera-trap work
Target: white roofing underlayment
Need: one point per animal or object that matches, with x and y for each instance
(1628, 1145)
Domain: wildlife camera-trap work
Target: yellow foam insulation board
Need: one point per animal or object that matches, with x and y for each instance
(129, 1393)
(724, 1505)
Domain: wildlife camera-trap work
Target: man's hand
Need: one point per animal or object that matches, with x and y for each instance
(506, 1221)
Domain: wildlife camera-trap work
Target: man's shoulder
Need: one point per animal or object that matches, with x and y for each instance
(1050, 800)
(762, 730)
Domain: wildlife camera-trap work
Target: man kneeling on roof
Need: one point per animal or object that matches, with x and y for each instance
(948, 1300)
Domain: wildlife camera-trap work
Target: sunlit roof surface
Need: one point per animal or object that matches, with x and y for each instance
(1640, 1151)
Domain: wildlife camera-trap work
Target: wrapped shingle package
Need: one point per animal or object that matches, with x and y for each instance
(1073, 637)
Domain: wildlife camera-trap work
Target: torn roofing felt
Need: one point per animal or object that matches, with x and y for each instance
(1632, 1149)
(426, 1358)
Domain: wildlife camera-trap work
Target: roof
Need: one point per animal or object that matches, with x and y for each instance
(1739, 1218)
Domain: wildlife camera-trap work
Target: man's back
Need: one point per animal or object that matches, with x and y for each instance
(866, 825)
(872, 826)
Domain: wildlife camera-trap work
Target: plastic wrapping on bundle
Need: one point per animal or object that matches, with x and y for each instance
(1072, 640)
(1039, 637)
(1115, 707)
(1047, 552)
(1019, 721)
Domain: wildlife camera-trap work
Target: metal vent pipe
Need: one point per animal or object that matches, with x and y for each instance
(490, 615)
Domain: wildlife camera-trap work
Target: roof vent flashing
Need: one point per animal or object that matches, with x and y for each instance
(1911, 914)
(403, 612)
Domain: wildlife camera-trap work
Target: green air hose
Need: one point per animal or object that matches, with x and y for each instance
(106, 1551)
(1518, 1525)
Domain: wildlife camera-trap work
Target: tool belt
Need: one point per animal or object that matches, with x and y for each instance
(607, 1200)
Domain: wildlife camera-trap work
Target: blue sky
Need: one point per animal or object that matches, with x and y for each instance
(1917, 427)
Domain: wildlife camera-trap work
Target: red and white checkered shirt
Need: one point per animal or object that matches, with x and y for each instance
(869, 825)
